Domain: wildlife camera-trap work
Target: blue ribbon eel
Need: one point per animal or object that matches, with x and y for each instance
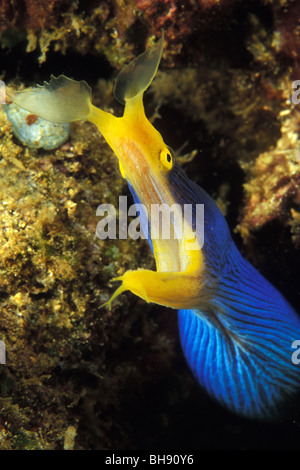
(236, 329)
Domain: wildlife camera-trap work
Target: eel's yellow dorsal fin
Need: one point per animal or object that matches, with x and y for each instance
(135, 77)
(61, 100)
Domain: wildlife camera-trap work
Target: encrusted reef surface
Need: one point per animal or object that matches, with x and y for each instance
(81, 377)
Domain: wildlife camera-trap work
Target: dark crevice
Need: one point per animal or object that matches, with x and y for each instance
(18, 65)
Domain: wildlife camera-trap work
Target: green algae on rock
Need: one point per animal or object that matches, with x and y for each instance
(52, 283)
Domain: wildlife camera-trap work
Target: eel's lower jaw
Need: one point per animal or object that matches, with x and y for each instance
(175, 290)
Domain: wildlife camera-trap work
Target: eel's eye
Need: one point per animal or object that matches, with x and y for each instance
(166, 158)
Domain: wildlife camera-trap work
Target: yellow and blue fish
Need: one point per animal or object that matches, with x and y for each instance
(236, 329)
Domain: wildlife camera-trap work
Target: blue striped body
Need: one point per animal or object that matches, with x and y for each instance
(238, 341)
(240, 349)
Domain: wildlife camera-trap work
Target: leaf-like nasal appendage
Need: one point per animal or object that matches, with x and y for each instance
(61, 100)
(135, 77)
